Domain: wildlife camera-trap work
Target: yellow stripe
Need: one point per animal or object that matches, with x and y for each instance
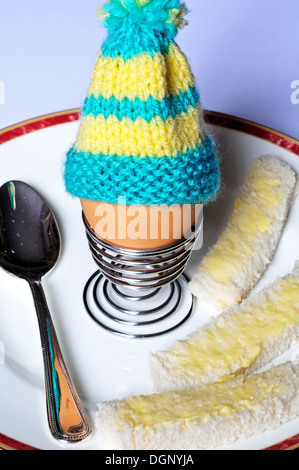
(139, 138)
(142, 76)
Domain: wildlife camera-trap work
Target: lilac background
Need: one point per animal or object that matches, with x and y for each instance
(244, 54)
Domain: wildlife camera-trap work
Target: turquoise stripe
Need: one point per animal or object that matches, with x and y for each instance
(188, 178)
(169, 107)
(128, 44)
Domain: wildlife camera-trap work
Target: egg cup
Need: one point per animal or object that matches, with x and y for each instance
(140, 289)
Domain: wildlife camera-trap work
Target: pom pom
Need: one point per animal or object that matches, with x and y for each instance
(155, 16)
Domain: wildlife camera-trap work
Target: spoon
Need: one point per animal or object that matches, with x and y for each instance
(29, 249)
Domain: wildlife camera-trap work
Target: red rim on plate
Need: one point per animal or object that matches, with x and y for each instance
(6, 443)
(211, 117)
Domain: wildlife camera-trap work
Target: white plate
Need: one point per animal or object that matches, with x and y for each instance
(102, 365)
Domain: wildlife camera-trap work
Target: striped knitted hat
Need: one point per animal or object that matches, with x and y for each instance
(141, 132)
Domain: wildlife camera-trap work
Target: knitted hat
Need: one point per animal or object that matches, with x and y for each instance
(141, 132)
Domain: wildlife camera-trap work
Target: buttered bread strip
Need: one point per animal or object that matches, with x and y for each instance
(246, 246)
(239, 340)
(203, 418)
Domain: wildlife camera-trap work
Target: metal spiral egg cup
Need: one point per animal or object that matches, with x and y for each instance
(139, 293)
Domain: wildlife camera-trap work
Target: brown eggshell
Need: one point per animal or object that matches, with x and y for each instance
(140, 227)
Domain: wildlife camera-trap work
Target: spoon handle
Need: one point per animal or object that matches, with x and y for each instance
(67, 418)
